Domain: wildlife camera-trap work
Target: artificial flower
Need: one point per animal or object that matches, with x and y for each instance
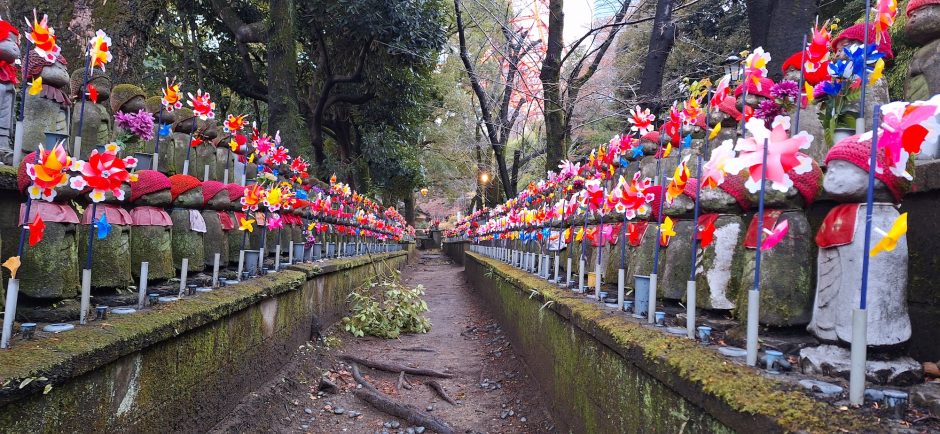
(43, 38)
(171, 96)
(890, 239)
(202, 105)
(139, 124)
(775, 236)
(783, 154)
(100, 50)
(36, 229)
(49, 172)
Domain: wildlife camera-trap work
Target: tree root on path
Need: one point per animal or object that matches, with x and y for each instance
(402, 382)
(391, 367)
(435, 386)
(358, 377)
(407, 412)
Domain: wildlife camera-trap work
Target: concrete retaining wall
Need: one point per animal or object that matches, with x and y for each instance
(180, 367)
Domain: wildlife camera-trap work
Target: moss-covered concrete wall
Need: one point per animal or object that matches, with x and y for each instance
(604, 373)
(182, 366)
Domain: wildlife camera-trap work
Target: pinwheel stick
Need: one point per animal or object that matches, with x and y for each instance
(860, 315)
(799, 102)
(86, 272)
(155, 161)
(654, 278)
(690, 285)
(860, 121)
(21, 112)
(753, 299)
(189, 147)
(77, 144)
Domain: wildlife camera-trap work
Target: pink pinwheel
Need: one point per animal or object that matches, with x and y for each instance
(202, 105)
(595, 194)
(275, 222)
(774, 236)
(569, 169)
(783, 154)
(641, 120)
(904, 128)
(755, 65)
(631, 199)
(722, 91)
(713, 172)
(279, 155)
(886, 11)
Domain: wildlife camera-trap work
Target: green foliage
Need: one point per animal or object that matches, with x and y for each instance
(387, 310)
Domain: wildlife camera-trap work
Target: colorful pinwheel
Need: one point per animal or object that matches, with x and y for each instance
(775, 236)
(706, 234)
(713, 172)
(885, 12)
(49, 172)
(246, 225)
(104, 173)
(252, 197)
(36, 229)
(666, 231)
(904, 128)
(234, 124)
(275, 222)
(890, 239)
(171, 96)
(641, 121)
(783, 154)
(43, 38)
(755, 66)
(679, 180)
(100, 50)
(202, 105)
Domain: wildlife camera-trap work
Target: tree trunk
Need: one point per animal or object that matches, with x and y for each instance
(556, 142)
(283, 111)
(662, 39)
(410, 209)
(779, 26)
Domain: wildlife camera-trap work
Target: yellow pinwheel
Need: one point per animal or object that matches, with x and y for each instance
(890, 239)
(246, 225)
(12, 264)
(667, 231)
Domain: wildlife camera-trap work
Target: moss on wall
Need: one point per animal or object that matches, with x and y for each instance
(606, 373)
(179, 366)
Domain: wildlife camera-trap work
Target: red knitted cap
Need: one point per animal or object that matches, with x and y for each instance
(657, 192)
(22, 179)
(765, 85)
(819, 75)
(857, 33)
(729, 106)
(148, 181)
(859, 153)
(235, 191)
(914, 5)
(691, 188)
(734, 186)
(180, 184)
(210, 189)
(808, 184)
(652, 136)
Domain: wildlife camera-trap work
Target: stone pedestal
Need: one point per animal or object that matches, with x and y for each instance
(676, 268)
(187, 243)
(111, 256)
(49, 269)
(719, 265)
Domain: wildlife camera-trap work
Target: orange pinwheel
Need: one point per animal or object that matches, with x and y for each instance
(49, 172)
(100, 50)
(234, 124)
(679, 180)
(43, 38)
(171, 96)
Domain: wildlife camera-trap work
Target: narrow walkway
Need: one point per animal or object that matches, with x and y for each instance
(493, 390)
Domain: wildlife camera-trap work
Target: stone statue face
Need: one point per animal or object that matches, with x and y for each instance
(717, 200)
(55, 75)
(792, 74)
(103, 85)
(839, 52)
(9, 49)
(134, 105)
(186, 126)
(846, 181)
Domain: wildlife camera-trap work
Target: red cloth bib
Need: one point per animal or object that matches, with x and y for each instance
(115, 214)
(51, 212)
(838, 228)
(150, 216)
(770, 220)
(226, 221)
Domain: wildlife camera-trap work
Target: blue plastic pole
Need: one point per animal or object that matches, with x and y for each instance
(760, 218)
(869, 202)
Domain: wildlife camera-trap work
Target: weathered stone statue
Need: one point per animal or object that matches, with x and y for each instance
(218, 222)
(9, 78)
(111, 256)
(719, 267)
(236, 237)
(166, 152)
(923, 28)
(189, 227)
(151, 237)
(204, 154)
(98, 124)
(840, 241)
(47, 112)
(183, 129)
(786, 283)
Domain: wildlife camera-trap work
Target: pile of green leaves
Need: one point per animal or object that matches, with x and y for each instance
(387, 310)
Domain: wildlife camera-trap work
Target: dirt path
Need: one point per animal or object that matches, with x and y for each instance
(491, 385)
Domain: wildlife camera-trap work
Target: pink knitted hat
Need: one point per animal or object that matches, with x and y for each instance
(235, 191)
(914, 5)
(652, 136)
(180, 184)
(859, 153)
(729, 106)
(148, 181)
(764, 91)
(857, 33)
(734, 186)
(808, 184)
(210, 189)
